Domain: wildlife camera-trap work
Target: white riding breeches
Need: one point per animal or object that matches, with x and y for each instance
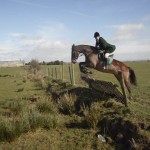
(107, 55)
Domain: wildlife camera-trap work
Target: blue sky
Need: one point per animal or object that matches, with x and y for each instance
(46, 29)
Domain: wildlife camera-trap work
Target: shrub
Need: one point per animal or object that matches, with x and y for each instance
(67, 104)
(35, 119)
(47, 106)
(9, 129)
(16, 106)
(50, 121)
(92, 115)
(5, 133)
(42, 83)
(34, 65)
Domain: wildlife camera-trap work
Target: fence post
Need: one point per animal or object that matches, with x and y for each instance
(56, 73)
(62, 71)
(123, 88)
(52, 73)
(48, 72)
(72, 72)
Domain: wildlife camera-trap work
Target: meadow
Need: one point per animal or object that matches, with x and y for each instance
(32, 117)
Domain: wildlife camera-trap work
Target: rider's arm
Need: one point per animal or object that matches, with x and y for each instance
(97, 45)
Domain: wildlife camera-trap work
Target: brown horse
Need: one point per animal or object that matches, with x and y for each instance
(92, 60)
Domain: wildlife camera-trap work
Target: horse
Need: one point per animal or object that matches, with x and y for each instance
(92, 60)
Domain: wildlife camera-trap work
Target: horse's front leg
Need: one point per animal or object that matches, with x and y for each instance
(82, 66)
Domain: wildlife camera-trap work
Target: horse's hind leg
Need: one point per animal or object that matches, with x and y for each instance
(127, 84)
(82, 66)
(122, 86)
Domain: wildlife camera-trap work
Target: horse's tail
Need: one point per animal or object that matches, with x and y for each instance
(132, 76)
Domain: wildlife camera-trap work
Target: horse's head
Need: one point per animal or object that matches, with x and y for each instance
(75, 54)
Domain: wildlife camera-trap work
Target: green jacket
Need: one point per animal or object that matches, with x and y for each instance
(103, 45)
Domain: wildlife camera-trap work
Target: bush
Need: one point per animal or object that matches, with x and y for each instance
(49, 121)
(42, 83)
(9, 129)
(47, 106)
(16, 106)
(67, 104)
(92, 115)
(34, 65)
(6, 132)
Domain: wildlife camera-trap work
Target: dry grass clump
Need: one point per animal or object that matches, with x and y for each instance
(92, 115)
(47, 106)
(67, 104)
(23, 118)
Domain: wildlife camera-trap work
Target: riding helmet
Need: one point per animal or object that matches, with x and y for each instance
(96, 34)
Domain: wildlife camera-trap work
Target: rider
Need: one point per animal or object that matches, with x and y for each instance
(103, 47)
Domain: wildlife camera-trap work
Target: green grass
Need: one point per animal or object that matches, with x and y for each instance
(31, 119)
(17, 85)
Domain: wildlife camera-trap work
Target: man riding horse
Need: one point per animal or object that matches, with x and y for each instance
(104, 49)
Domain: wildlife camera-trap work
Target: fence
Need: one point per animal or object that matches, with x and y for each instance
(102, 86)
(60, 73)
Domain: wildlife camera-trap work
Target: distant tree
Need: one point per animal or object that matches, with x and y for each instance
(35, 64)
(57, 62)
(43, 63)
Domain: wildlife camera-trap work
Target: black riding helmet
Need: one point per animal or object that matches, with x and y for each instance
(96, 34)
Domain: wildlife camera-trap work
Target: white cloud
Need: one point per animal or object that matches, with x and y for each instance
(131, 42)
(51, 42)
(127, 31)
(48, 43)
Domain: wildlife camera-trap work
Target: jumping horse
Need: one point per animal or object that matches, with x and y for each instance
(92, 61)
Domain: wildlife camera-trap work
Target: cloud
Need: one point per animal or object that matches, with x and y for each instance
(131, 41)
(127, 31)
(52, 41)
(48, 43)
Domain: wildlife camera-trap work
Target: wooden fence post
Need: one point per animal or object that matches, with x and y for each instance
(52, 73)
(56, 73)
(48, 72)
(72, 73)
(62, 71)
(123, 88)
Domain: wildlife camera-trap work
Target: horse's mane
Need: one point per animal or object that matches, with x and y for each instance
(87, 47)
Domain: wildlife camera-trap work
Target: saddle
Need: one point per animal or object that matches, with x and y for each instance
(101, 57)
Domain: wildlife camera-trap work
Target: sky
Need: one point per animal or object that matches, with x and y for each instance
(46, 29)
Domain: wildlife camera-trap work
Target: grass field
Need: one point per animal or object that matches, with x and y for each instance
(31, 119)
